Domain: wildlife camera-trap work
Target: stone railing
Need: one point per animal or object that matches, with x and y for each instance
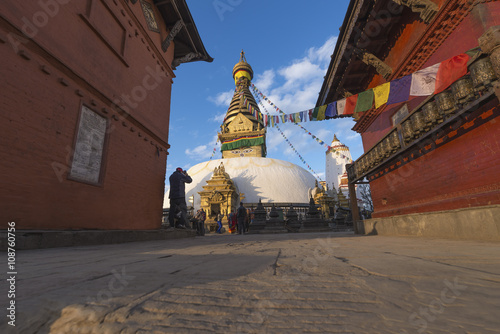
(434, 113)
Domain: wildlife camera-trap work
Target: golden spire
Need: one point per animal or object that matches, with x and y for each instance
(242, 56)
(243, 119)
(242, 69)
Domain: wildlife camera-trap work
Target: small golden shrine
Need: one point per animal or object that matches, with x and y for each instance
(243, 133)
(343, 201)
(322, 198)
(219, 195)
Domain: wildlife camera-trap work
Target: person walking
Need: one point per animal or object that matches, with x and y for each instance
(241, 214)
(219, 222)
(177, 196)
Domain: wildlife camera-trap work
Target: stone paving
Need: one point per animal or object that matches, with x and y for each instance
(275, 283)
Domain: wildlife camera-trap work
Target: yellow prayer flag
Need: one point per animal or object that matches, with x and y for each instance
(297, 117)
(321, 113)
(381, 94)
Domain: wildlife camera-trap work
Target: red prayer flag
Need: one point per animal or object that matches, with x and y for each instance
(450, 71)
(350, 104)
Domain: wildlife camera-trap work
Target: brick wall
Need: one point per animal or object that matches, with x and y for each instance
(45, 81)
(461, 173)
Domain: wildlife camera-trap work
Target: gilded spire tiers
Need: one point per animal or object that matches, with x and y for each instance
(242, 134)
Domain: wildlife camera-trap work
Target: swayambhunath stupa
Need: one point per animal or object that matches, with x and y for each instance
(244, 172)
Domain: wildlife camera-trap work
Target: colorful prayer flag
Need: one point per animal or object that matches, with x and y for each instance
(381, 94)
(365, 101)
(450, 71)
(297, 117)
(310, 111)
(400, 90)
(423, 82)
(350, 104)
(331, 110)
(341, 107)
(321, 113)
(315, 114)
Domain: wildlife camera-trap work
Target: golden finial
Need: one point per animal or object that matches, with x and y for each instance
(242, 56)
(242, 68)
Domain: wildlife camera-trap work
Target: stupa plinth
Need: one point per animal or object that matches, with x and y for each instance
(275, 224)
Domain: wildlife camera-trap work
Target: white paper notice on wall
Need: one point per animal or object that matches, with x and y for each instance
(87, 157)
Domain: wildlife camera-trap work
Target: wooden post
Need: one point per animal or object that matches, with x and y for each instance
(353, 204)
(353, 201)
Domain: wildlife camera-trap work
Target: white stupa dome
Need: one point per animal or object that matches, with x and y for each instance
(271, 180)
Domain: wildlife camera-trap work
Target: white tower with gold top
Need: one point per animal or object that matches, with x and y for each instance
(336, 158)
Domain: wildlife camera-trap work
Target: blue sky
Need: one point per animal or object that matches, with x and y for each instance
(288, 43)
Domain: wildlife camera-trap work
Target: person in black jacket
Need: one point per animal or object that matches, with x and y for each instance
(177, 196)
(241, 215)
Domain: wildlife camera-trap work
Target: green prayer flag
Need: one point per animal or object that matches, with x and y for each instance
(365, 101)
(315, 113)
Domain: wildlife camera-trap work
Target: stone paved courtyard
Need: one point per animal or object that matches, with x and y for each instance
(281, 283)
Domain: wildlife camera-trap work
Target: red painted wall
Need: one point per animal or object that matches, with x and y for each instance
(79, 36)
(464, 37)
(39, 119)
(462, 173)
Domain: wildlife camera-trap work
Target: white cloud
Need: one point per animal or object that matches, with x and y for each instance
(222, 99)
(219, 118)
(324, 52)
(265, 80)
(201, 152)
(300, 71)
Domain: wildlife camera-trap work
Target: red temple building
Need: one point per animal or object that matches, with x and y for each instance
(432, 160)
(85, 107)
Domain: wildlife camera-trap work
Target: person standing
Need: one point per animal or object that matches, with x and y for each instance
(199, 220)
(219, 222)
(231, 222)
(177, 196)
(241, 214)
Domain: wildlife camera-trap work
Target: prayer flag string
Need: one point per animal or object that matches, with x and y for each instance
(288, 141)
(286, 117)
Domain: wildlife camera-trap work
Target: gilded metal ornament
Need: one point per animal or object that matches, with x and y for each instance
(418, 122)
(463, 91)
(482, 74)
(431, 115)
(445, 103)
(149, 15)
(407, 128)
(386, 147)
(394, 140)
(378, 153)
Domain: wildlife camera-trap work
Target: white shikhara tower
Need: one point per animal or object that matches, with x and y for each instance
(336, 158)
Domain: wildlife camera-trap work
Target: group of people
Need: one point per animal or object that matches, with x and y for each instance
(237, 222)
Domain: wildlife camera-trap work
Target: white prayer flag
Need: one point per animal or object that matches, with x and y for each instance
(423, 82)
(340, 107)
